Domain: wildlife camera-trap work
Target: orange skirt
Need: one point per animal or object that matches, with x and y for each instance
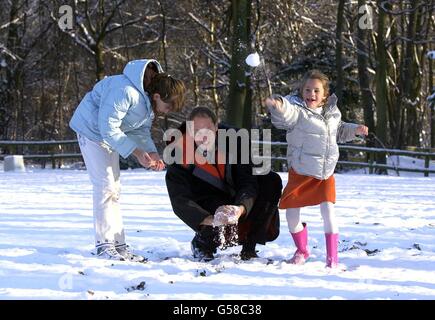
(302, 191)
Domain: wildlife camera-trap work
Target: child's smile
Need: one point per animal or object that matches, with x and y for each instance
(313, 93)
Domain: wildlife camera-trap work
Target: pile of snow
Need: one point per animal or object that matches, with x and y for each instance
(387, 244)
(408, 162)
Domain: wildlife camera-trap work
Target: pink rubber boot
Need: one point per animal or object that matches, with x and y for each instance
(331, 250)
(300, 238)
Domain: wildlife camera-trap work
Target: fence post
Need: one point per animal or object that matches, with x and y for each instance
(276, 150)
(371, 160)
(60, 161)
(426, 165)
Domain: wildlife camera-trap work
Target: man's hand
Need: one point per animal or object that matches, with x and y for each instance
(228, 214)
(362, 130)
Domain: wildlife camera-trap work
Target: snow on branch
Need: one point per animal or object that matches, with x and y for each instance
(200, 23)
(137, 44)
(225, 52)
(6, 51)
(90, 41)
(309, 20)
(402, 38)
(117, 26)
(216, 59)
(74, 36)
(11, 22)
(383, 5)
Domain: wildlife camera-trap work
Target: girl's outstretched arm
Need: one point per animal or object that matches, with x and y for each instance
(283, 113)
(347, 131)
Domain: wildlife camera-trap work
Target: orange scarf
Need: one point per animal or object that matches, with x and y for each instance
(210, 173)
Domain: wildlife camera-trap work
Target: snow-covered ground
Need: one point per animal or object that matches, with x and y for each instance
(46, 243)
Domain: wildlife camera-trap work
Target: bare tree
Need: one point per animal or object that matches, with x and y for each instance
(339, 50)
(381, 81)
(363, 73)
(239, 49)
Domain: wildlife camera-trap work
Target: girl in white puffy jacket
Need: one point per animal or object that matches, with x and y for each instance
(313, 124)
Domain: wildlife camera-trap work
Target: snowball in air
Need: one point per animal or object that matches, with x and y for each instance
(253, 60)
(431, 55)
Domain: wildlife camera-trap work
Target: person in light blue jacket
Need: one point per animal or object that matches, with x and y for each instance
(113, 119)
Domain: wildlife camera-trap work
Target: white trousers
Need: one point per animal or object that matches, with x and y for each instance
(102, 165)
(327, 211)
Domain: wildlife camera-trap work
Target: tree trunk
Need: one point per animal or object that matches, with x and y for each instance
(339, 53)
(213, 71)
(395, 112)
(10, 83)
(247, 112)
(238, 81)
(381, 84)
(364, 78)
(99, 60)
(164, 44)
(411, 88)
(432, 105)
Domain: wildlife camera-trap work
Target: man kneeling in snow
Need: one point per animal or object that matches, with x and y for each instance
(219, 198)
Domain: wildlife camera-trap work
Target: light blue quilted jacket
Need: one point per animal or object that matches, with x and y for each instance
(117, 112)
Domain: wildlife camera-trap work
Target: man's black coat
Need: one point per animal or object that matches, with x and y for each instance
(193, 198)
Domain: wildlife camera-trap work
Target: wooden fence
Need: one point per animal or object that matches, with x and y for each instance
(51, 151)
(57, 151)
(363, 153)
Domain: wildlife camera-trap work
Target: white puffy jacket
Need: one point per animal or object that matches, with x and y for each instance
(312, 138)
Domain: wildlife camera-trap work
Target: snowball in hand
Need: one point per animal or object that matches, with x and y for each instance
(226, 215)
(253, 60)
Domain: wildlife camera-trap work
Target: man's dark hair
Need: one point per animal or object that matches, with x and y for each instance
(203, 112)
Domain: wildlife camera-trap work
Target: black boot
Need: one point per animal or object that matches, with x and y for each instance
(204, 243)
(248, 251)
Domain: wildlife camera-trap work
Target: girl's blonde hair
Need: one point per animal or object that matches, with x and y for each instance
(318, 75)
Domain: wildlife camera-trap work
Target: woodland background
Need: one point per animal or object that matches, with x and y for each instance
(375, 52)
